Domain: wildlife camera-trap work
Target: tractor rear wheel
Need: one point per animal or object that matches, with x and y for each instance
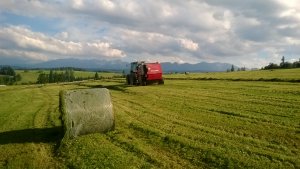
(132, 79)
(161, 81)
(128, 79)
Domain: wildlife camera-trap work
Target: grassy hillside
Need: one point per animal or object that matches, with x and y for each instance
(182, 124)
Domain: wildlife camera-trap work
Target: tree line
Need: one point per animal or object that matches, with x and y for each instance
(283, 65)
(8, 75)
(62, 76)
(55, 77)
(232, 69)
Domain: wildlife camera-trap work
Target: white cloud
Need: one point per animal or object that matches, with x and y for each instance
(184, 31)
(103, 48)
(77, 4)
(155, 43)
(21, 39)
(189, 44)
(289, 3)
(62, 35)
(107, 4)
(21, 54)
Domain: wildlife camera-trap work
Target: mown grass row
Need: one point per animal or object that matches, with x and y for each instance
(181, 129)
(187, 124)
(182, 124)
(30, 128)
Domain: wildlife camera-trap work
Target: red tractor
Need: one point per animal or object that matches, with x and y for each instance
(142, 73)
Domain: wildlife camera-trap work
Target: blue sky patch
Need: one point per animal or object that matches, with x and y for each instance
(37, 24)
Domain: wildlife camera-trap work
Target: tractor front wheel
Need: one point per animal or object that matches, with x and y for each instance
(161, 81)
(128, 79)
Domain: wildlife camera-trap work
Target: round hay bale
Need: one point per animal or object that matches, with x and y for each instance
(86, 111)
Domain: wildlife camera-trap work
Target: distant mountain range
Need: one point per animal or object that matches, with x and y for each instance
(93, 64)
(118, 65)
(199, 67)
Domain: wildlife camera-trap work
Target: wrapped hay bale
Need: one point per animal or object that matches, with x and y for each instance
(86, 111)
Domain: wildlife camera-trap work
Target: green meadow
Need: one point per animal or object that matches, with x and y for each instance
(31, 76)
(290, 75)
(199, 120)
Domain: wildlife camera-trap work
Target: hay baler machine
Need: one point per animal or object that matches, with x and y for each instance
(142, 73)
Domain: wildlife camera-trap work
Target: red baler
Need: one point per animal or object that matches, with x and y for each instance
(142, 73)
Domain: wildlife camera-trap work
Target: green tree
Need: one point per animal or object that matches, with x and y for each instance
(60, 77)
(51, 77)
(17, 77)
(282, 60)
(232, 68)
(96, 76)
(7, 70)
(43, 78)
(68, 76)
(72, 76)
(7, 80)
(272, 66)
(286, 65)
(8, 75)
(296, 64)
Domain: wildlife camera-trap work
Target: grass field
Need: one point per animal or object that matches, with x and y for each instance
(258, 75)
(182, 124)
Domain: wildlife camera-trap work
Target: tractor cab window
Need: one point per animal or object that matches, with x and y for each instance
(133, 66)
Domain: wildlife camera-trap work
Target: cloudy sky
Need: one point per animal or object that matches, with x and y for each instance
(248, 33)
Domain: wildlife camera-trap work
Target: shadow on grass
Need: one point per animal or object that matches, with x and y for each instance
(119, 87)
(36, 135)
